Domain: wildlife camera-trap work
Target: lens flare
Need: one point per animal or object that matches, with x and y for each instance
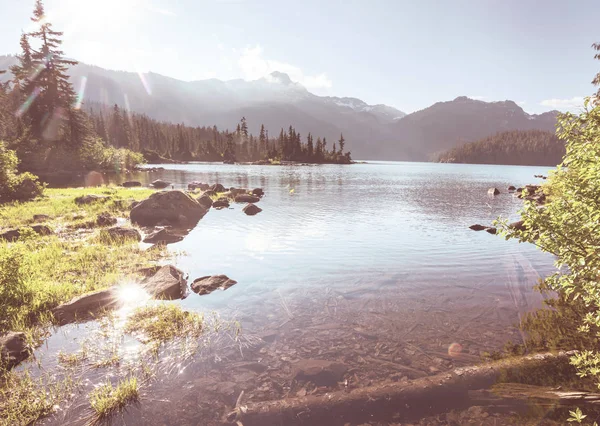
(81, 93)
(27, 104)
(455, 349)
(145, 83)
(128, 109)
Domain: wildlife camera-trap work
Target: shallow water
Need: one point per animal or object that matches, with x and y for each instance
(372, 265)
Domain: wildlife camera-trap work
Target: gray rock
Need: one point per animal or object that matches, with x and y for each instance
(163, 236)
(246, 198)
(217, 187)
(519, 225)
(131, 184)
(84, 307)
(198, 185)
(122, 233)
(13, 348)
(258, 192)
(320, 372)
(511, 188)
(170, 206)
(105, 219)
(251, 209)
(160, 184)
(220, 204)
(208, 284)
(205, 201)
(40, 217)
(493, 191)
(42, 229)
(168, 283)
(10, 235)
(491, 230)
(90, 198)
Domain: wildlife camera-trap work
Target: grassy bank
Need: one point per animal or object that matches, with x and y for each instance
(37, 273)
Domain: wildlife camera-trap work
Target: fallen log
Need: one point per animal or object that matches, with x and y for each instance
(402, 401)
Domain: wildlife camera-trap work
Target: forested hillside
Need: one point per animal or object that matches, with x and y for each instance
(156, 139)
(518, 147)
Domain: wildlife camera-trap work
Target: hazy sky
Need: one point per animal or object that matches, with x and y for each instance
(408, 54)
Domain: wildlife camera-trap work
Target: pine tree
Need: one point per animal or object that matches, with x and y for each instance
(56, 96)
(342, 142)
(309, 147)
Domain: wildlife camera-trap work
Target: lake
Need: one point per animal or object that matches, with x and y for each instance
(369, 265)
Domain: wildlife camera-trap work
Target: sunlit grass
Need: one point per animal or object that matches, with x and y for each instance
(60, 206)
(24, 399)
(107, 399)
(157, 324)
(37, 275)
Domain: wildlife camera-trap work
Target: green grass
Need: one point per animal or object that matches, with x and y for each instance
(157, 324)
(39, 274)
(60, 205)
(24, 399)
(108, 399)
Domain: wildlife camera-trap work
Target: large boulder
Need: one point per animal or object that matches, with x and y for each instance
(217, 187)
(251, 209)
(163, 236)
(246, 198)
(493, 191)
(160, 184)
(85, 306)
(320, 372)
(174, 207)
(122, 233)
(90, 198)
(131, 184)
(208, 284)
(205, 201)
(13, 348)
(168, 283)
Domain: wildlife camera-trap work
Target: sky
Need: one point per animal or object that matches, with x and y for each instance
(405, 53)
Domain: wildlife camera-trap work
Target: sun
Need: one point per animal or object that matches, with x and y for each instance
(85, 16)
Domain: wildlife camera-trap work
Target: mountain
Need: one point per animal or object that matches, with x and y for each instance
(275, 101)
(444, 125)
(371, 131)
(517, 147)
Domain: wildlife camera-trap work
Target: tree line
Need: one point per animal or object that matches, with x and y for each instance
(43, 119)
(159, 139)
(516, 147)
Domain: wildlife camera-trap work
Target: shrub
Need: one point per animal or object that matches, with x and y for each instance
(15, 186)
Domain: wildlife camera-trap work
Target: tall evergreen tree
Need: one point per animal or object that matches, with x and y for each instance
(342, 142)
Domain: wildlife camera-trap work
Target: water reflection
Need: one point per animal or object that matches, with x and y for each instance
(371, 265)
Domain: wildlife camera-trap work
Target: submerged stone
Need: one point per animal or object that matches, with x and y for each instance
(320, 372)
(119, 232)
(163, 236)
(160, 184)
(477, 227)
(246, 198)
(208, 284)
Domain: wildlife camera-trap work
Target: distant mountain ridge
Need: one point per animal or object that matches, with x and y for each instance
(371, 131)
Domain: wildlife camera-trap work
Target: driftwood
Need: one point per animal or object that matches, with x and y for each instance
(403, 401)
